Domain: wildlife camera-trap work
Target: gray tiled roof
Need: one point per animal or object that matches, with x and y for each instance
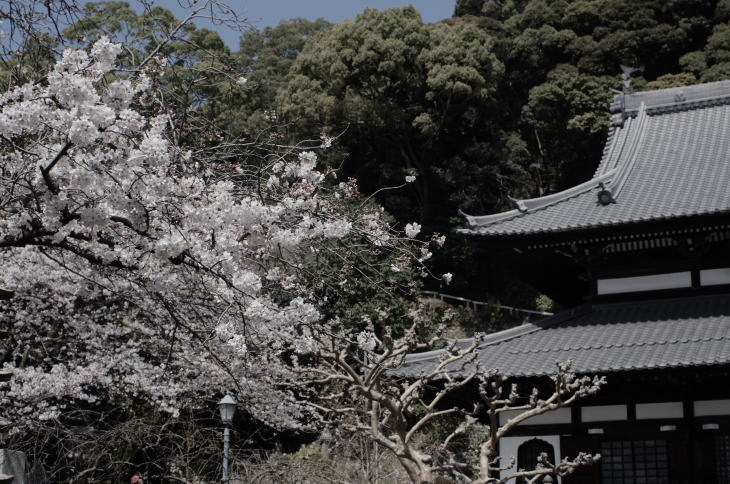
(669, 158)
(680, 332)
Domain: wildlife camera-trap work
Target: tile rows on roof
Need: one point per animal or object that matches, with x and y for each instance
(680, 332)
(660, 164)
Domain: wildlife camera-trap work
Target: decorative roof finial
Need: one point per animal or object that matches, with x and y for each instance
(605, 197)
(518, 204)
(626, 78)
(618, 108)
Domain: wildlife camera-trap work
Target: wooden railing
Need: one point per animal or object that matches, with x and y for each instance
(471, 303)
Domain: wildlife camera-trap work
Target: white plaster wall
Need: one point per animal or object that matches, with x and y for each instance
(704, 408)
(648, 411)
(508, 449)
(655, 282)
(713, 277)
(603, 413)
(559, 416)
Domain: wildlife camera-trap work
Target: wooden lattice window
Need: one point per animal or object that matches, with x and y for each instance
(634, 462)
(722, 453)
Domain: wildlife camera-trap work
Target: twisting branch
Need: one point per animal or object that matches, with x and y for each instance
(396, 409)
(568, 389)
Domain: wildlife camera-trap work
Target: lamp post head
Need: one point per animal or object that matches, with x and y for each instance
(227, 407)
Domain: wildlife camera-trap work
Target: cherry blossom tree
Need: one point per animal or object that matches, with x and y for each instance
(139, 269)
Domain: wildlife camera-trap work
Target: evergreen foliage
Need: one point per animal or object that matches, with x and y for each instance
(505, 99)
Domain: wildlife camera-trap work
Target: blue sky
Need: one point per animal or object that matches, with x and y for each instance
(264, 13)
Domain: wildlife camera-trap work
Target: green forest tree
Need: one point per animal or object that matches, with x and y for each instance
(266, 56)
(402, 92)
(506, 99)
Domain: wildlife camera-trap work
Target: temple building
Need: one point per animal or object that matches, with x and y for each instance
(641, 255)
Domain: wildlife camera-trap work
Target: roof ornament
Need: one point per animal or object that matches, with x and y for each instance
(518, 204)
(626, 72)
(604, 196)
(468, 222)
(619, 112)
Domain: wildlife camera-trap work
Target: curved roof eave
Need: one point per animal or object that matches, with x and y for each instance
(538, 203)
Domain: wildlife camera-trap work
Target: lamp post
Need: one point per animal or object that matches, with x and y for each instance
(227, 407)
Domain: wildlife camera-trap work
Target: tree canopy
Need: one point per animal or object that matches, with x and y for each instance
(505, 99)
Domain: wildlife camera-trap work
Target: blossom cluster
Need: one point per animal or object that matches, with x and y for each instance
(140, 271)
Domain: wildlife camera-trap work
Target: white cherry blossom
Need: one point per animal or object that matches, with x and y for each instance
(137, 270)
(412, 230)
